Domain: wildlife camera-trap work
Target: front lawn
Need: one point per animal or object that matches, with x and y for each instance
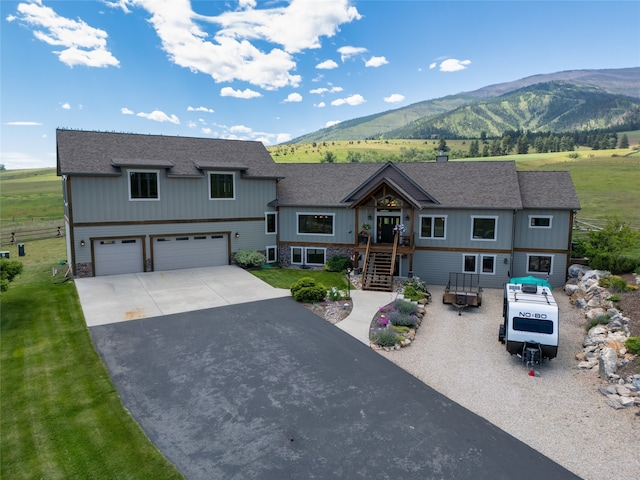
(60, 416)
(285, 277)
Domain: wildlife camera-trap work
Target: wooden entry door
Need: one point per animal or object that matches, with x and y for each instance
(385, 226)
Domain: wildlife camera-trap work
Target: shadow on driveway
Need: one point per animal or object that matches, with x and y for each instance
(268, 390)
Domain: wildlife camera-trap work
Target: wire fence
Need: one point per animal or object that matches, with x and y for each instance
(18, 231)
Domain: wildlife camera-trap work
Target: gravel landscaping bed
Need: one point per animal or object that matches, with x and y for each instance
(559, 413)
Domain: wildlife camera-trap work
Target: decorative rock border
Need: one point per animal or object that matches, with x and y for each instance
(604, 344)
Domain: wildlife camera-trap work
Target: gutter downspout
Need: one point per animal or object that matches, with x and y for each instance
(513, 243)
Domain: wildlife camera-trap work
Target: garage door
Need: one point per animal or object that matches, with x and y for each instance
(123, 255)
(189, 251)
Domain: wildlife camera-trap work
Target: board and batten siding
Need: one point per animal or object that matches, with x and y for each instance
(434, 266)
(343, 225)
(458, 229)
(106, 199)
(556, 237)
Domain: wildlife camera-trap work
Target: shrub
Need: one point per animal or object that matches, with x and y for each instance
(607, 248)
(250, 258)
(307, 290)
(410, 293)
(615, 298)
(385, 338)
(404, 307)
(311, 294)
(599, 320)
(613, 283)
(335, 294)
(402, 319)
(338, 263)
(633, 345)
(9, 269)
(418, 285)
(400, 329)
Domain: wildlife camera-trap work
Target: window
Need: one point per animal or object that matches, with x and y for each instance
(272, 254)
(539, 263)
(308, 256)
(221, 186)
(143, 186)
(540, 221)
(532, 325)
(315, 256)
(315, 224)
(483, 228)
(469, 263)
(270, 221)
(433, 227)
(488, 264)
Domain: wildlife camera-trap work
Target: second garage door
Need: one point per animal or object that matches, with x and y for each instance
(189, 251)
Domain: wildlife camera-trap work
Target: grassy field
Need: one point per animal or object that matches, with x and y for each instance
(61, 417)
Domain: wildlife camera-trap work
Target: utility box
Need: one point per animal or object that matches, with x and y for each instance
(21, 249)
(5, 254)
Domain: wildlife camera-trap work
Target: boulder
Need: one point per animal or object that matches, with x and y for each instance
(608, 362)
(576, 271)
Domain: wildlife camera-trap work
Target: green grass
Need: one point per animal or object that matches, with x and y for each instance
(284, 277)
(61, 417)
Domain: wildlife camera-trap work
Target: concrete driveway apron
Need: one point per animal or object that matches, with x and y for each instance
(118, 298)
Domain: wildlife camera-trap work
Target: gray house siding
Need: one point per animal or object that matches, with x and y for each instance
(343, 232)
(556, 236)
(106, 199)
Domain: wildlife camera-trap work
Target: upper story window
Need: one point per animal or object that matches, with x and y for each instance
(315, 223)
(484, 228)
(222, 186)
(540, 221)
(433, 227)
(143, 185)
(270, 221)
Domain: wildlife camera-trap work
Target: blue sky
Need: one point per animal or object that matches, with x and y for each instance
(274, 70)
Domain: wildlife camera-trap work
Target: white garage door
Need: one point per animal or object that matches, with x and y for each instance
(189, 251)
(122, 255)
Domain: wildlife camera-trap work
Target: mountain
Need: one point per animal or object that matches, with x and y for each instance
(562, 101)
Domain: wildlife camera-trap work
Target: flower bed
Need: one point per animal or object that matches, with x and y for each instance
(394, 326)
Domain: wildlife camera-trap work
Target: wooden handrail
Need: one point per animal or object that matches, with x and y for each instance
(366, 258)
(395, 252)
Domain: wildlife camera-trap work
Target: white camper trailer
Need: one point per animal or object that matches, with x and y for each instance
(530, 328)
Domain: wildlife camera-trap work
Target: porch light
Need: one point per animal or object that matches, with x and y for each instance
(237, 235)
(82, 243)
(407, 218)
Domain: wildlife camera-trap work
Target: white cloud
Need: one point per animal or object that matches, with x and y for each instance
(82, 44)
(231, 52)
(126, 111)
(453, 65)
(348, 52)
(246, 93)
(283, 137)
(331, 123)
(353, 100)
(394, 98)
(432, 65)
(66, 106)
(206, 130)
(327, 65)
(159, 116)
(293, 98)
(24, 124)
(320, 105)
(376, 62)
(240, 129)
(322, 90)
(200, 109)
(21, 160)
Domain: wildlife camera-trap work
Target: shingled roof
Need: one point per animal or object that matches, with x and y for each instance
(481, 184)
(549, 190)
(104, 153)
(443, 185)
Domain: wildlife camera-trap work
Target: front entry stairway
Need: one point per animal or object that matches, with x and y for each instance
(379, 264)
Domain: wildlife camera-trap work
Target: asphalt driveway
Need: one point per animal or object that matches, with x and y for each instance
(268, 390)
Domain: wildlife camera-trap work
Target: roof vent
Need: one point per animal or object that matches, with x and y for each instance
(529, 288)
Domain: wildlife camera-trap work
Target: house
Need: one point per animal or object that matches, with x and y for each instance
(136, 203)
